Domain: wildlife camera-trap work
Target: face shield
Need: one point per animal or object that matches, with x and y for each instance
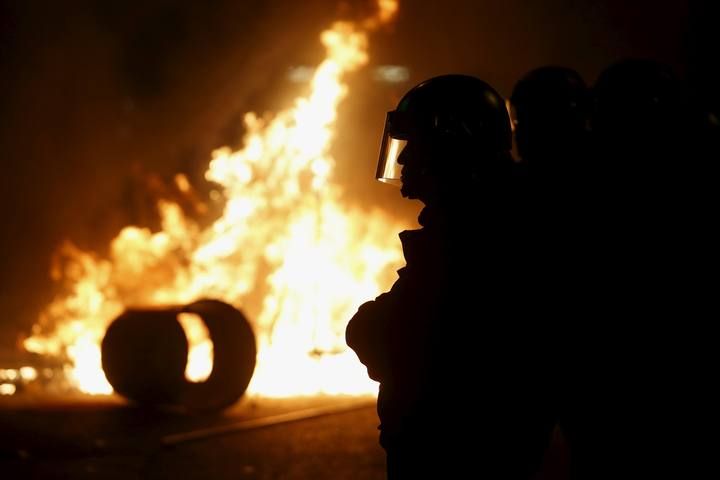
(395, 137)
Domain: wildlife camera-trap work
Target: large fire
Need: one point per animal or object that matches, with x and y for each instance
(285, 237)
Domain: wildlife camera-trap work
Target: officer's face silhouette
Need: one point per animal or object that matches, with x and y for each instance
(418, 180)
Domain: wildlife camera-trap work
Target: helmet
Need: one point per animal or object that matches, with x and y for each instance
(551, 108)
(555, 90)
(455, 117)
(635, 97)
(640, 123)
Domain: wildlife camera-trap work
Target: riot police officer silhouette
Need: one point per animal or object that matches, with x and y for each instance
(551, 107)
(454, 343)
(655, 258)
(636, 363)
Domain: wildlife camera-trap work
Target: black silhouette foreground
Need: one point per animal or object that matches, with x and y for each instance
(570, 288)
(461, 387)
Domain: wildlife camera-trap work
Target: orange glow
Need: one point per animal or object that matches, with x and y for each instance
(7, 389)
(286, 250)
(200, 354)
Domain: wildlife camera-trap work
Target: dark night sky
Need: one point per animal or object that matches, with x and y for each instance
(97, 93)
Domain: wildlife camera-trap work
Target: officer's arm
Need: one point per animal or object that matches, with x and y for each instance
(367, 332)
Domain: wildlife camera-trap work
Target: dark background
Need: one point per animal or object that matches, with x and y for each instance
(98, 95)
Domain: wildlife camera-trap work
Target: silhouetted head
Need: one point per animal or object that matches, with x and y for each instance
(639, 107)
(551, 107)
(448, 136)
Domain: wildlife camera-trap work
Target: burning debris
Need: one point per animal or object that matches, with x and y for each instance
(145, 355)
(286, 249)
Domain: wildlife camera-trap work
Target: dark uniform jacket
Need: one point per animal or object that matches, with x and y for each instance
(450, 346)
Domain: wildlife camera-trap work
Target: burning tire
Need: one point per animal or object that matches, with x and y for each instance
(145, 353)
(234, 353)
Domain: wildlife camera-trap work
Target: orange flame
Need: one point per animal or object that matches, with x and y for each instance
(285, 237)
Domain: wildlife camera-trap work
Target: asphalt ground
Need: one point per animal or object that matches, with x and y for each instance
(83, 438)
